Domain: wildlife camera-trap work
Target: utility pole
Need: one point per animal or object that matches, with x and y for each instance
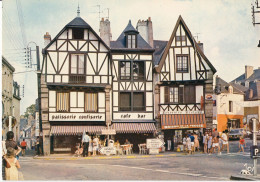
(255, 144)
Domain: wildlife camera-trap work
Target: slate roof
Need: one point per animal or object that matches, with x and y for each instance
(255, 86)
(120, 43)
(224, 86)
(78, 22)
(159, 46)
(254, 76)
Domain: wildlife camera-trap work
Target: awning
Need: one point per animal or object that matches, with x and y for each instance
(134, 127)
(179, 121)
(75, 130)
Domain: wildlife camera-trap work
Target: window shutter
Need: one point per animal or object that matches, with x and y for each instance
(166, 94)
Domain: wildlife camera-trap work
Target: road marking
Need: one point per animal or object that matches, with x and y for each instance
(115, 157)
(102, 158)
(172, 154)
(164, 171)
(145, 156)
(73, 158)
(159, 155)
(87, 158)
(131, 157)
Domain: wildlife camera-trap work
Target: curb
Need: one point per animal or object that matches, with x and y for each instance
(244, 178)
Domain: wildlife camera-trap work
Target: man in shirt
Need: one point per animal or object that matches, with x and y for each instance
(85, 143)
(23, 145)
(192, 138)
(225, 141)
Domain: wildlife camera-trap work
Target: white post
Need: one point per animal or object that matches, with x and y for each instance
(255, 144)
(10, 123)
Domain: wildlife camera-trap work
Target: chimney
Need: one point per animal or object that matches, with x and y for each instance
(248, 71)
(47, 39)
(201, 46)
(105, 31)
(250, 96)
(145, 28)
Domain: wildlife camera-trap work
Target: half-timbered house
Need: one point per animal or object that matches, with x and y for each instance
(132, 92)
(75, 86)
(184, 81)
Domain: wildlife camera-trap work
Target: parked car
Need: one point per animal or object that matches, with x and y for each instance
(235, 134)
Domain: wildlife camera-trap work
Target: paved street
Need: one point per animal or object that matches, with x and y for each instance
(167, 166)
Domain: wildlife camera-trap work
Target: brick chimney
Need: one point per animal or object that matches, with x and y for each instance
(201, 46)
(249, 70)
(105, 31)
(145, 28)
(251, 93)
(47, 39)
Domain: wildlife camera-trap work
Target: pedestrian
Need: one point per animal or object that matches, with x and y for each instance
(205, 142)
(33, 144)
(209, 140)
(242, 145)
(85, 143)
(95, 145)
(215, 144)
(169, 144)
(224, 141)
(215, 133)
(192, 138)
(12, 171)
(127, 142)
(196, 142)
(23, 145)
(90, 146)
(188, 143)
(184, 142)
(38, 145)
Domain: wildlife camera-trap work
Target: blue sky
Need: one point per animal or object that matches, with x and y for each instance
(224, 26)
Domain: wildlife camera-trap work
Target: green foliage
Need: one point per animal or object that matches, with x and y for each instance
(29, 111)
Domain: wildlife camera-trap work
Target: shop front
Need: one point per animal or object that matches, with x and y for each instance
(176, 126)
(65, 138)
(135, 133)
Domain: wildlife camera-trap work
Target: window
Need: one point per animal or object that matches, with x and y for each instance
(138, 70)
(230, 106)
(181, 94)
(77, 69)
(138, 101)
(125, 101)
(77, 64)
(125, 69)
(77, 33)
(62, 104)
(91, 102)
(182, 64)
(131, 41)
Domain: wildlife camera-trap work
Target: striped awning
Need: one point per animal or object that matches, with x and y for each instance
(75, 130)
(134, 127)
(179, 121)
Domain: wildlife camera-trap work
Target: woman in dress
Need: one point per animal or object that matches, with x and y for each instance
(209, 139)
(196, 142)
(205, 142)
(90, 147)
(12, 172)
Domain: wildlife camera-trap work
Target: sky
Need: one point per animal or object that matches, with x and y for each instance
(224, 26)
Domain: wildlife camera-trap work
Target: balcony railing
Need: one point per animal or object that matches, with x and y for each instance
(77, 79)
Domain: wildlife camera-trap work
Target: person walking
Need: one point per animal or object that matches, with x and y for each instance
(95, 145)
(23, 145)
(215, 144)
(242, 145)
(205, 142)
(85, 143)
(192, 138)
(188, 143)
(11, 171)
(196, 142)
(184, 142)
(224, 141)
(38, 145)
(209, 140)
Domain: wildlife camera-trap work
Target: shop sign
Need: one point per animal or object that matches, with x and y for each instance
(108, 150)
(208, 97)
(76, 117)
(127, 116)
(181, 112)
(154, 143)
(184, 126)
(153, 151)
(108, 132)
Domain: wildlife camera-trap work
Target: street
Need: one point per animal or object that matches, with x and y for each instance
(166, 166)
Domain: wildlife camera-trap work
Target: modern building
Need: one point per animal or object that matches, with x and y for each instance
(10, 100)
(183, 85)
(227, 112)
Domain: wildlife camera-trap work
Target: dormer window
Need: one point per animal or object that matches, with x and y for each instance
(78, 33)
(131, 41)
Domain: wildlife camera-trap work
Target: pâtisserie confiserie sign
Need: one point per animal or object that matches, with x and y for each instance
(76, 117)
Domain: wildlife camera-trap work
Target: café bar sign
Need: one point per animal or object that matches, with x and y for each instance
(126, 116)
(76, 117)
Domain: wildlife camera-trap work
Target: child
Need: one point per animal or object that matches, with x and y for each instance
(12, 172)
(79, 150)
(242, 144)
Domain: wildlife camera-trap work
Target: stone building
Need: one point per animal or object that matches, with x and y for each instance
(10, 100)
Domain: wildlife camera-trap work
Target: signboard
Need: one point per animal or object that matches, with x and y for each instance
(108, 150)
(108, 132)
(76, 117)
(181, 112)
(254, 151)
(208, 97)
(184, 126)
(153, 151)
(128, 116)
(154, 143)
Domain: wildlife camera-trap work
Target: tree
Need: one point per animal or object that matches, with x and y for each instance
(29, 111)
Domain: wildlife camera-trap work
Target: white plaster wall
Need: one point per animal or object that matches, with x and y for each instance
(223, 104)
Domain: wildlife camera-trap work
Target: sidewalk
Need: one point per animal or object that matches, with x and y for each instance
(240, 177)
